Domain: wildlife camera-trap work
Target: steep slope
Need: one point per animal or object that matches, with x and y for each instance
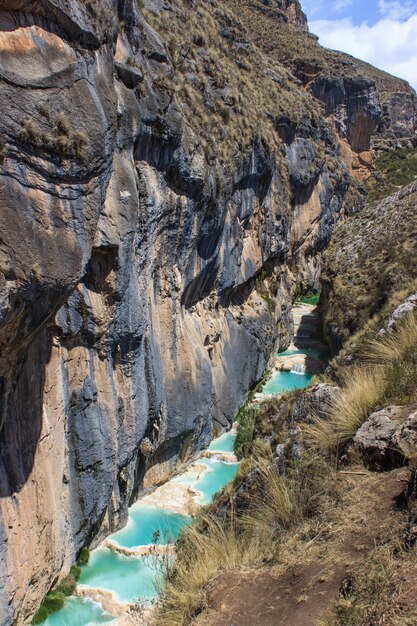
(164, 190)
(368, 107)
(370, 263)
(135, 233)
(312, 531)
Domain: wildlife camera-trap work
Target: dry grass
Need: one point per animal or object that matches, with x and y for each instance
(61, 141)
(230, 91)
(394, 346)
(361, 391)
(205, 551)
(386, 375)
(216, 545)
(371, 258)
(375, 592)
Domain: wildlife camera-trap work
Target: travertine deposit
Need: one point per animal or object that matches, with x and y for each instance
(155, 219)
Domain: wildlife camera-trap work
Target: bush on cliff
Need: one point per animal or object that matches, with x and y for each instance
(52, 603)
(246, 419)
(84, 557)
(55, 599)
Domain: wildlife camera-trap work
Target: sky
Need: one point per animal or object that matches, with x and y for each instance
(382, 32)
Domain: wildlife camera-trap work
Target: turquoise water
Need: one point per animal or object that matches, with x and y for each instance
(144, 522)
(79, 612)
(131, 578)
(286, 381)
(225, 443)
(318, 354)
(135, 578)
(216, 477)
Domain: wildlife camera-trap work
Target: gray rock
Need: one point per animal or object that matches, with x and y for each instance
(313, 403)
(406, 436)
(401, 311)
(124, 245)
(376, 438)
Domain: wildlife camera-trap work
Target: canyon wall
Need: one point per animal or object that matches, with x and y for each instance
(164, 189)
(370, 110)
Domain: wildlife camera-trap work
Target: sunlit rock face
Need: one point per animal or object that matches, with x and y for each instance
(145, 284)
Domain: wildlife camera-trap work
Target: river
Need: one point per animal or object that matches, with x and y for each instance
(125, 571)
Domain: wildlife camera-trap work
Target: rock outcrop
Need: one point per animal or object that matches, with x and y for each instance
(388, 437)
(163, 190)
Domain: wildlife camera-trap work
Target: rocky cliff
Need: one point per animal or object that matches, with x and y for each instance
(164, 189)
(370, 266)
(369, 109)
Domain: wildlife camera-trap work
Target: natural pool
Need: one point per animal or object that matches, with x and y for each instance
(286, 381)
(80, 612)
(130, 578)
(144, 522)
(225, 443)
(135, 578)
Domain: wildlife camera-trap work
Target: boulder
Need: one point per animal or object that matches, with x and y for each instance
(406, 436)
(313, 403)
(376, 438)
(401, 311)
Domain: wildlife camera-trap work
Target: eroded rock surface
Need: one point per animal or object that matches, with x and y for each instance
(379, 438)
(148, 254)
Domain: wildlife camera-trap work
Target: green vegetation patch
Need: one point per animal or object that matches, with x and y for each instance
(246, 419)
(55, 599)
(393, 170)
(312, 299)
(84, 557)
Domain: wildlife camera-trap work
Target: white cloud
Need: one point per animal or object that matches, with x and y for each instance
(340, 5)
(390, 44)
(395, 10)
(312, 7)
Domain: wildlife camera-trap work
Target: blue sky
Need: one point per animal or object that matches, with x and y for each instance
(383, 32)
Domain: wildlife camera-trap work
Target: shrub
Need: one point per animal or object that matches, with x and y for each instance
(68, 584)
(246, 419)
(62, 124)
(361, 391)
(54, 601)
(84, 557)
(40, 616)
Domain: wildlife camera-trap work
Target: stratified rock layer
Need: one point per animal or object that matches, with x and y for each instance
(154, 222)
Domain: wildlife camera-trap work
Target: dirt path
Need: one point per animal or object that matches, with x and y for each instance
(303, 592)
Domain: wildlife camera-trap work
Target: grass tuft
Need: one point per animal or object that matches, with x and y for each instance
(386, 375)
(228, 543)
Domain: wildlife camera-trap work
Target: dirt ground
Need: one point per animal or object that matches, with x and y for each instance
(303, 592)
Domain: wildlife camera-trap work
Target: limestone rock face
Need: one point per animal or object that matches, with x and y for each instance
(146, 274)
(289, 11)
(369, 109)
(406, 436)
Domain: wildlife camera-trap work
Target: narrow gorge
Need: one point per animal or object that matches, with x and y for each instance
(172, 174)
